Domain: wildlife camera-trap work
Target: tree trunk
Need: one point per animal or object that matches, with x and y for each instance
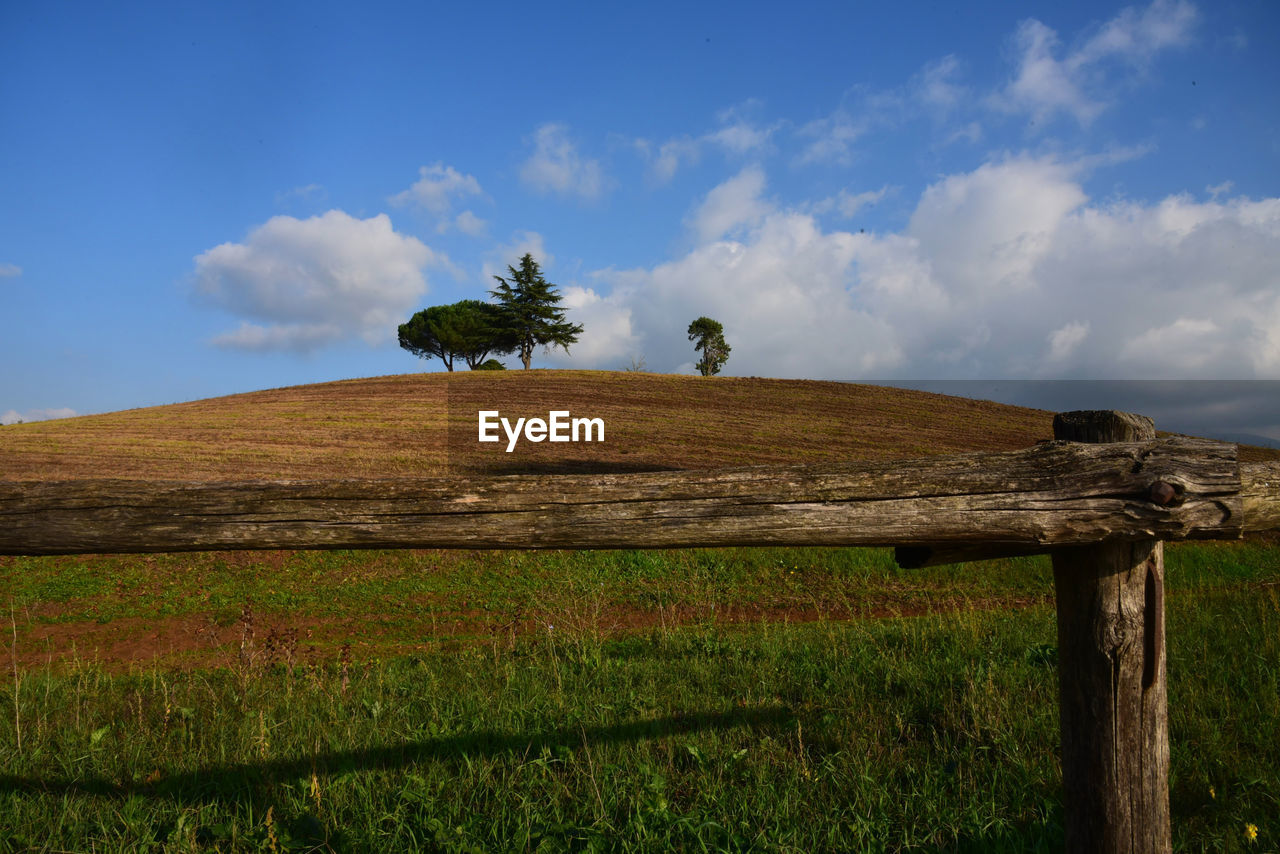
(1111, 671)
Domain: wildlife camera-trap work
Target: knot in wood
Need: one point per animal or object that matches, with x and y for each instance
(1162, 493)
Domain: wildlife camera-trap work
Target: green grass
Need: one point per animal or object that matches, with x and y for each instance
(922, 733)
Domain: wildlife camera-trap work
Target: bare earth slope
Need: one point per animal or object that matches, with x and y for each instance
(402, 425)
(426, 424)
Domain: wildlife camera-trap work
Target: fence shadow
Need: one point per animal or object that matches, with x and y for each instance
(248, 781)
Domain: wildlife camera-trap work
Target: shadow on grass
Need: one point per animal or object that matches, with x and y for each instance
(244, 781)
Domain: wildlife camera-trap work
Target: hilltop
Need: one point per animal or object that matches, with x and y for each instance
(425, 424)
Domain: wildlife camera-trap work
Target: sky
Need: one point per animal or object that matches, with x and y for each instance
(205, 199)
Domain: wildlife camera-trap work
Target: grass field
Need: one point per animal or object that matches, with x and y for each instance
(718, 700)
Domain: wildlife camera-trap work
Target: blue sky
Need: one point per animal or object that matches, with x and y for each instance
(198, 201)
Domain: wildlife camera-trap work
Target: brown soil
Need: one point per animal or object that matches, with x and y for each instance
(426, 424)
(264, 640)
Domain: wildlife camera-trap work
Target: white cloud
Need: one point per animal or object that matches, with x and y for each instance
(970, 132)
(1187, 345)
(934, 93)
(664, 164)
(10, 271)
(608, 337)
(1135, 36)
(848, 204)
(737, 136)
(1006, 271)
(303, 284)
(985, 231)
(470, 224)
(436, 188)
(279, 336)
(12, 416)
(1216, 190)
(556, 166)
(832, 138)
(935, 85)
(1045, 85)
(732, 204)
(1064, 340)
(509, 254)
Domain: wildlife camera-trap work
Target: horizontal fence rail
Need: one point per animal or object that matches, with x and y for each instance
(971, 505)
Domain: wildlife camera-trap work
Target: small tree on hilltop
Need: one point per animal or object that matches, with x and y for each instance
(480, 330)
(469, 329)
(425, 335)
(709, 337)
(530, 314)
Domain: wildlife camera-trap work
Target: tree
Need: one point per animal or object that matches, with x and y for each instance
(480, 330)
(709, 335)
(528, 303)
(469, 329)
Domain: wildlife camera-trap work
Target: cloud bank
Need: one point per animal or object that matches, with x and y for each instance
(1009, 270)
(303, 284)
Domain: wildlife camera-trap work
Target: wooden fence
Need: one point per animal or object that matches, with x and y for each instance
(1100, 499)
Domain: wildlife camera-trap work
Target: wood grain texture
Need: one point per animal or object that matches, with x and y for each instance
(1260, 496)
(1111, 675)
(1055, 494)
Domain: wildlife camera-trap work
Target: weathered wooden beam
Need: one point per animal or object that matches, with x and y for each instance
(1051, 495)
(1260, 496)
(1260, 505)
(1111, 675)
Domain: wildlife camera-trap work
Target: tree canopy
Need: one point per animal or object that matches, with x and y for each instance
(469, 330)
(708, 336)
(530, 313)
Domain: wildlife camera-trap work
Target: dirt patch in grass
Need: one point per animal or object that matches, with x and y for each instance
(258, 640)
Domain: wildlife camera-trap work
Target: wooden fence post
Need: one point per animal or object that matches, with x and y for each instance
(1111, 673)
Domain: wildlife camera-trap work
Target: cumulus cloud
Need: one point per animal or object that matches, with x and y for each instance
(732, 204)
(10, 271)
(608, 335)
(12, 416)
(1045, 84)
(556, 166)
(304, 284)
(1008, 270)
(436, 188)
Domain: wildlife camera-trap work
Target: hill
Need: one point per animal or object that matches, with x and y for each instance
(426, 424)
